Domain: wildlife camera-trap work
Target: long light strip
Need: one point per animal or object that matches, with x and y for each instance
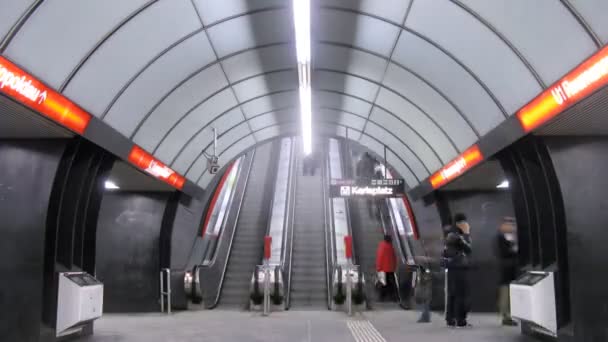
(301, 19)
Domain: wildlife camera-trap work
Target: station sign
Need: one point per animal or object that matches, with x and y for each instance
(375, 188)
(465, 161)
(154, 167)
(581, 82)
(27, 90)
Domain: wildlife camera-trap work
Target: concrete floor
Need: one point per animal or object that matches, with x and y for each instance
(295, 326)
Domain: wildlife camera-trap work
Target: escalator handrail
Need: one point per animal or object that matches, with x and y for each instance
(293, 183)
(329, 245)
(236, 221)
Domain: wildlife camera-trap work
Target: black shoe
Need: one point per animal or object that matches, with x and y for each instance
(451, 324)
(509, 322)
(463, 325)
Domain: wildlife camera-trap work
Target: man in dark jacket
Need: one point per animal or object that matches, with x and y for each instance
(456, 255)
(506, 246)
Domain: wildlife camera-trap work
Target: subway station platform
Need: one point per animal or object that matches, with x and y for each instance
(295, 326)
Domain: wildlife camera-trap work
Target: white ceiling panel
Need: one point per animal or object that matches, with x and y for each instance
(271, 102)
(193, 122)
(407, 135)
(205, 137)
(450, 78)
(480, 49)
(419, 122)
(12, 10)
(393, 10)
(343, 83)
(252, 30)
(262, 121)
(338, 101)
(378, 149)
(128, 50)
(357, 30)
(214, 11)
(157, 80)
(548, 36)
(268, 133)
(404, 82)
(595, 13)
(183, 99)
(60, 33)
(340, 117)
(255, 62)
(349, 60)
(401, 168)
(265, 84)
(383, 136)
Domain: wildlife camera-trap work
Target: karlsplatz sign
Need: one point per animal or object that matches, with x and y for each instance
(375, 188)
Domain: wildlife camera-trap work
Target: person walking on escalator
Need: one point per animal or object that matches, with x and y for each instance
(506, 247)
(386, 262)
(456, 253)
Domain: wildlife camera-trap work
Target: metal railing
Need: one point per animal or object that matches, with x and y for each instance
(165, 289)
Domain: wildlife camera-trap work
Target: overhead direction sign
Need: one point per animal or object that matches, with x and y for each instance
(375, 188)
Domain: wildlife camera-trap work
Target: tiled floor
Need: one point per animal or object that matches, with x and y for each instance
(294, 326)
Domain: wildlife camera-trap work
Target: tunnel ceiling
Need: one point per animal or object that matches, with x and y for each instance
(426, 78)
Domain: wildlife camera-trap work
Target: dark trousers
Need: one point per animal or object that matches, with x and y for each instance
(458, 297)
(390, 288)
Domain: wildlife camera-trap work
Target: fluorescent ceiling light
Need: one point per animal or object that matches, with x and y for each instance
(503, 185)
(301, 19)
(111, 185)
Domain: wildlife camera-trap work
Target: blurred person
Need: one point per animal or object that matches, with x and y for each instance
(423, 293)
(456, 253)
(506, 247)
(386, 262)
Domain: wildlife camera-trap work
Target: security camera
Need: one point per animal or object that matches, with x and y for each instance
(213, 165)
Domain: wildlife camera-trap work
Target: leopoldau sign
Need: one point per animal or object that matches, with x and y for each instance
(375, 188)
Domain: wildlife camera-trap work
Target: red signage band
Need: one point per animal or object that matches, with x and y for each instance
(467, 159)
(32, 93)
(576, 85)
(152, 166)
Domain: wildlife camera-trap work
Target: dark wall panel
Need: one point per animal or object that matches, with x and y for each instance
(128, 250)
(580, 165)
(484, 211)
(27, 171)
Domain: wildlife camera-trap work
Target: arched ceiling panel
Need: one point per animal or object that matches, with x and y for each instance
(255, 62)
(362, 31)
(445, 114)
(167, 147)
(344, 83)
(392, 10)
(341, 117)
(12, 10)
(248, 31)
(158, 79)
(183, 99)
(190, 151)
(349, 60)
(271, 118)
(346, 103)
(268, 103)
(595, 13)
(478, 47)
(261, 85)
(548, 36)
(80, 24)
(274, 131)
(129, 50)
(419, 146)
(418, 122)
(215, 11)
(451, 78)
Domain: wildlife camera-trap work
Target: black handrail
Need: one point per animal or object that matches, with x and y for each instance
(293, 169)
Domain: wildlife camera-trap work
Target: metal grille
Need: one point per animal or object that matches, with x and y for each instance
(17, 121)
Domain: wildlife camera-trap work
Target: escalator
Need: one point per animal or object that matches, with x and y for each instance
(309, 269)
(247, 244)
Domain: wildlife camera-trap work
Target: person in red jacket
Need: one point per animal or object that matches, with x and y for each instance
(386, 262)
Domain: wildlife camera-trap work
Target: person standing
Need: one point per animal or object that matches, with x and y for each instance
(506, 246)
(386, 262)
(456, 253)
